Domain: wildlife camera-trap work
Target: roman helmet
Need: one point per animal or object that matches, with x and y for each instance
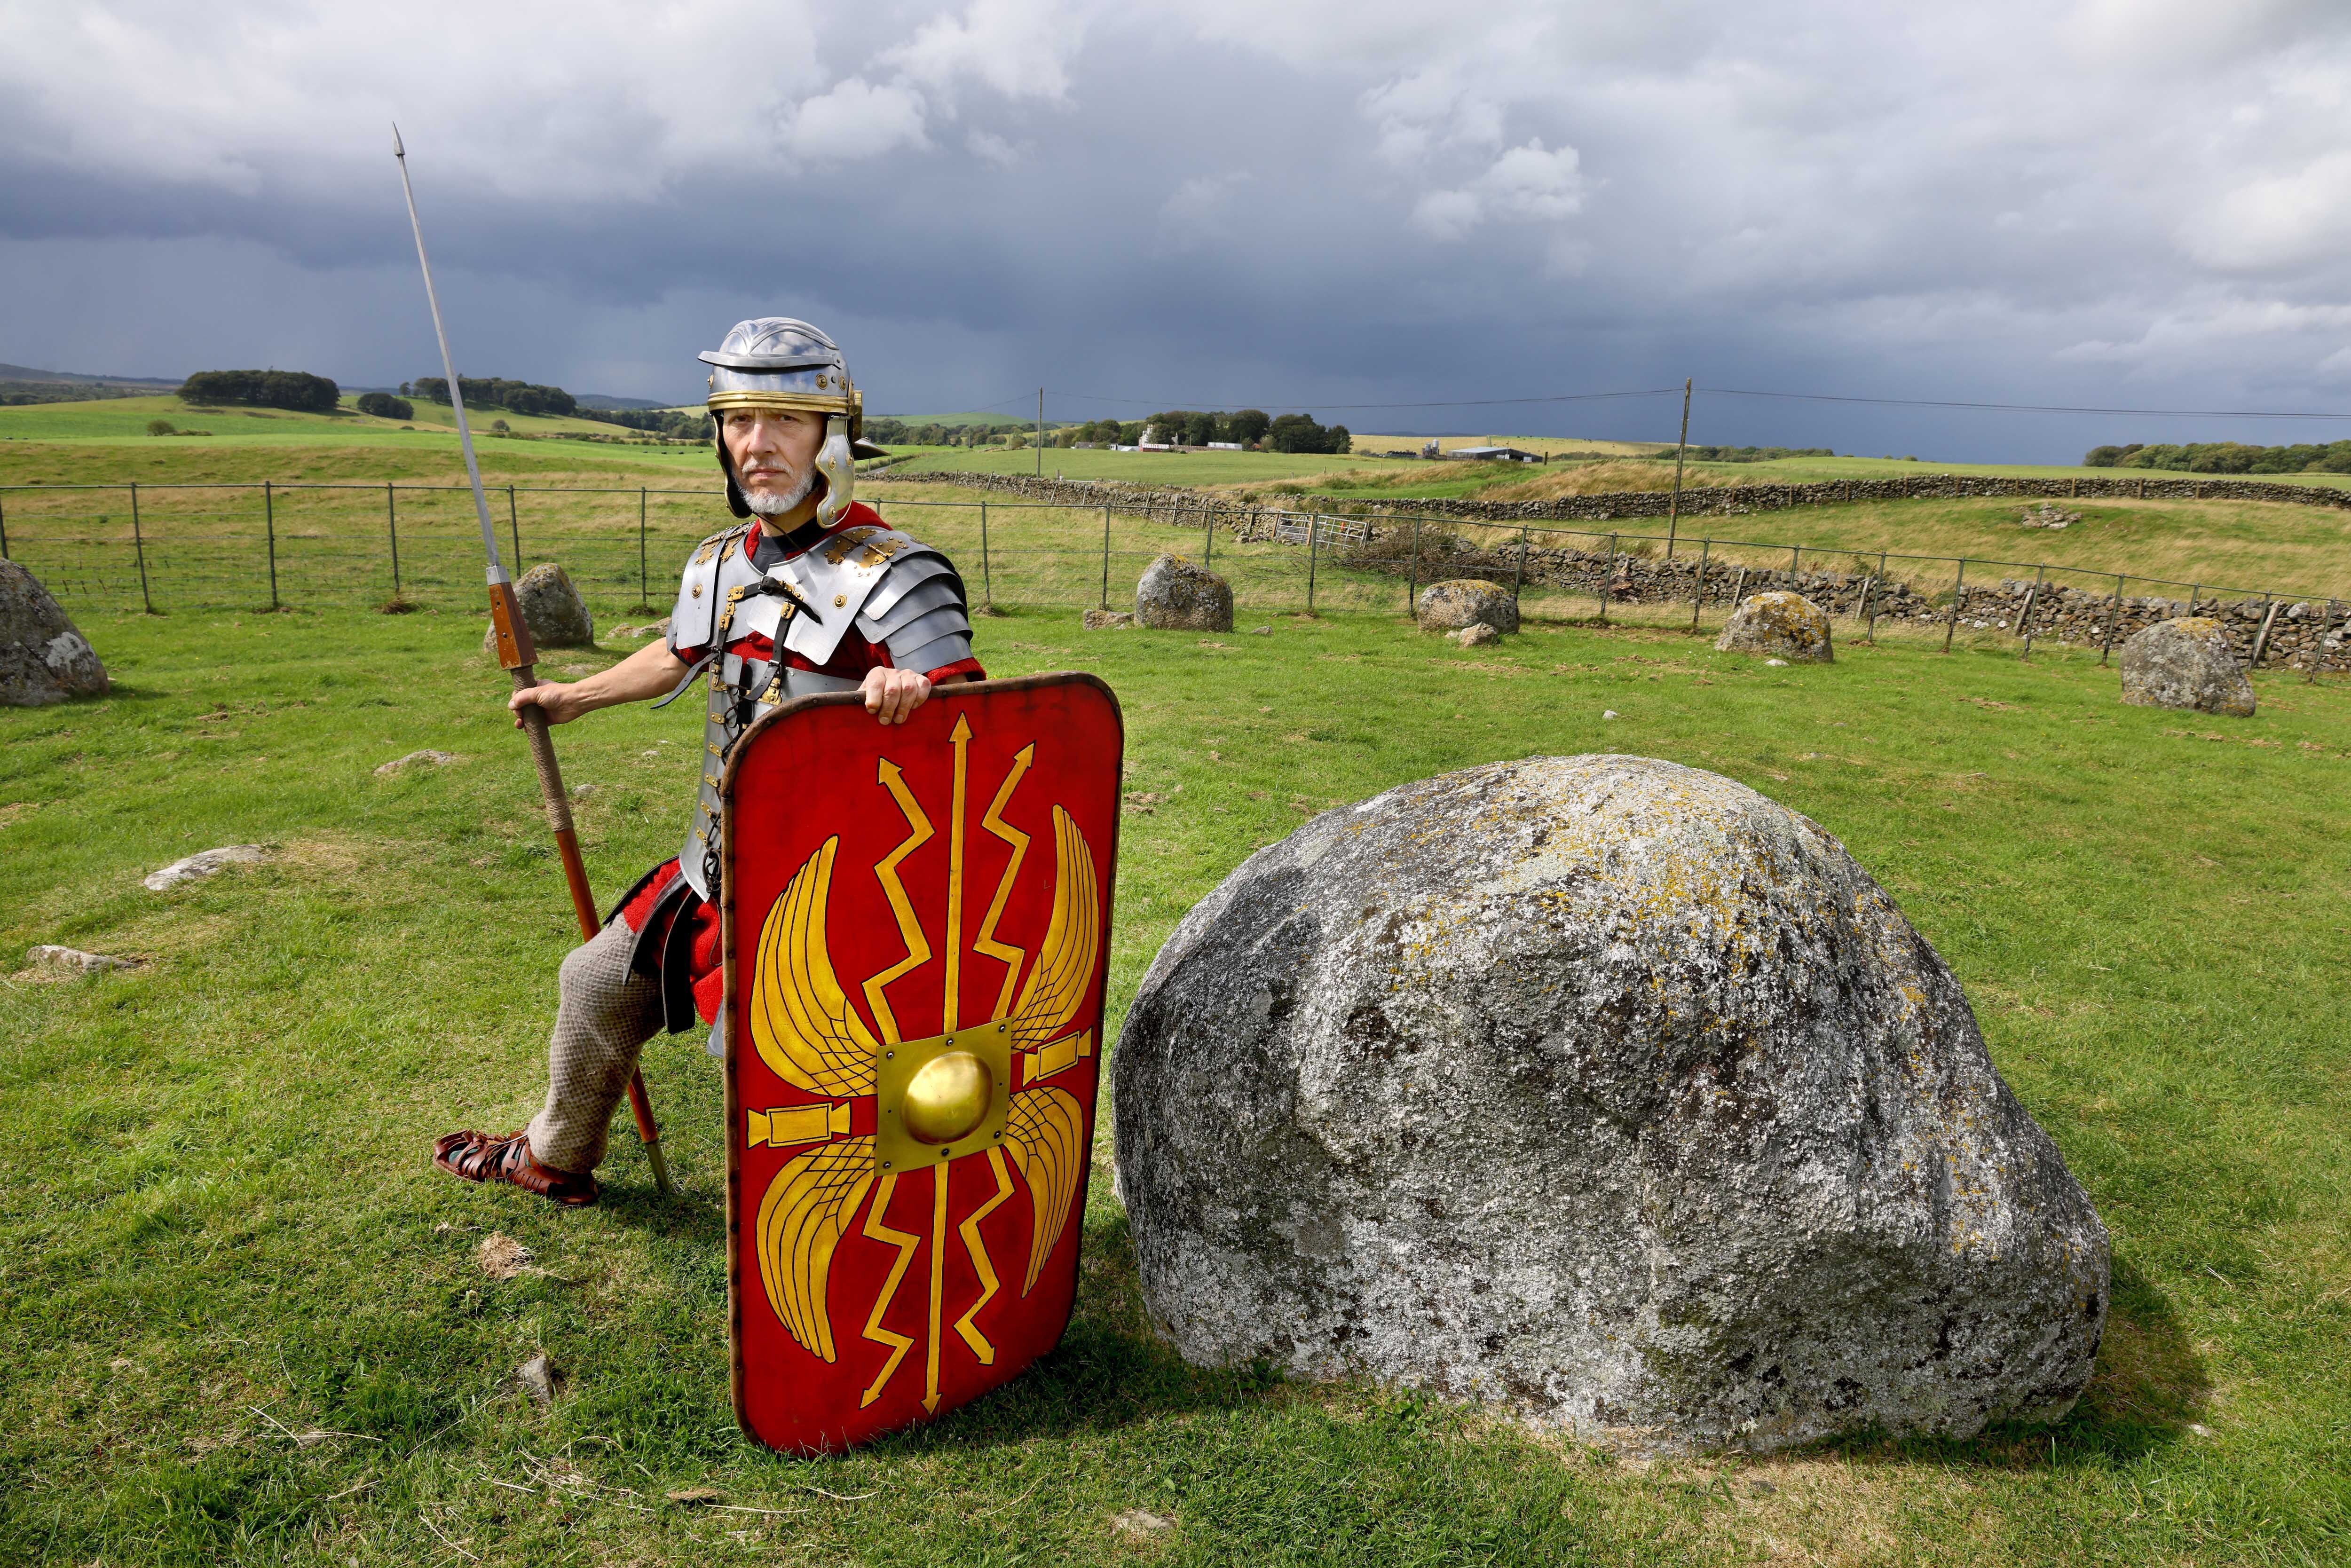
(776, 362)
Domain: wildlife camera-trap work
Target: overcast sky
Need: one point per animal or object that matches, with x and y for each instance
(2133, 203)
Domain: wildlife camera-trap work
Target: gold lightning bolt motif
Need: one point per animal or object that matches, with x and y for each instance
(910, 930)
(905, 1241)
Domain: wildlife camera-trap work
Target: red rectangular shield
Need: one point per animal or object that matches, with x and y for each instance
(916, 929)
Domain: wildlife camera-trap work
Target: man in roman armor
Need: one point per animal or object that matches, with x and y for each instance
(811, 592)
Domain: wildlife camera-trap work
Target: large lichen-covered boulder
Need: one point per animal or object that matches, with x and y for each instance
(558, 617)
(2185, 663)
(44, 657)
(1607, 1091)
(1175, 595)
(1778, 626)
(1466, 601)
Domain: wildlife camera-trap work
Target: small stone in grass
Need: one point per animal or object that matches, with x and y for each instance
(1609, 713)
(1140, 1522)
(540, 1380)
(56, 957)
(197, 867)
(1475, 636)
(416, 759)
(1776, 664)
(1260, 631)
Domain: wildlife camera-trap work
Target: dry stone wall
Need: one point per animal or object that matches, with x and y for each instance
(2299, 629)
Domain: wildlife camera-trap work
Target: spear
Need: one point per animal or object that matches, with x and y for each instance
(516, 653)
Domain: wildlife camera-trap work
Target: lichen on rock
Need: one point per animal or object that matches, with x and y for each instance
(1461, 602)
(1780, 626)
(1177, 595)
(551, 607)
(44, 657)
(1606, 1090)
(2185, 663)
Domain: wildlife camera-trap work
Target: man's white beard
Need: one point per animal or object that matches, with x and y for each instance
(773, 505)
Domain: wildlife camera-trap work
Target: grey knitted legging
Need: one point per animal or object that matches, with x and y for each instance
(604, 1012)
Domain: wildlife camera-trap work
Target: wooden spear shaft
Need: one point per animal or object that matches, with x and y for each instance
(519, 658)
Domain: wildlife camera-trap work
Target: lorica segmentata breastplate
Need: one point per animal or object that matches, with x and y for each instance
(888, 588)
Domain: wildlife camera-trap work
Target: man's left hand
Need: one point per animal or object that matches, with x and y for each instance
(892, 695)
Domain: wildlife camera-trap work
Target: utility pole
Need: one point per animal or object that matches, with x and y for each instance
(1674, 508)
(1040, 432)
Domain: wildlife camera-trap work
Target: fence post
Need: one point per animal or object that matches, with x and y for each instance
(986, 582)
(2195, 592)
(2024, 624)
(269, 520)
(1698, 594)
(1412, 590)
(139, 545)
(3, 529)
(1795, 557)
(1606, 572)
(392, 523)
(2114, 620)
(1873, 619)
(514, 528)
(1207, 534)
(1519, 577)
(2262, 637)
(1105, 588)
(1738, 592)
(1674, 508)
(644, 583)
(1958, 592)
(1314, 538)
(1861, 610)
(2318, 649)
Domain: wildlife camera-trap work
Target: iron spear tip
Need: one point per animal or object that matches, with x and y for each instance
(397, 149)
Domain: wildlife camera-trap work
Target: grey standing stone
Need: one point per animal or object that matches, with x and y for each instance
(1606, 1090)
(1175, 595)
(1463, 602)
(558, 617)
(1783, 625)
(43, 658)
(2185, 663)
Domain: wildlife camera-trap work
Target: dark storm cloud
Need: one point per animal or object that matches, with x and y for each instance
(2124, 200)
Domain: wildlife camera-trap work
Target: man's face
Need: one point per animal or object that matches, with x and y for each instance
(774, 452)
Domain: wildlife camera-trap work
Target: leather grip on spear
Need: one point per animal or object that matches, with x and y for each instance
(516, 652)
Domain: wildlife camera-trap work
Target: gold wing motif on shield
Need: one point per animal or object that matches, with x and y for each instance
(801, 1021)
(1046, 1130)
(809, 1036)
(801, 1220)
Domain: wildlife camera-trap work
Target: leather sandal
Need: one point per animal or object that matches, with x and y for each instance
(477, 1156)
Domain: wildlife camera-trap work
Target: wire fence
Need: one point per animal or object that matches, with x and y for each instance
(272, 546)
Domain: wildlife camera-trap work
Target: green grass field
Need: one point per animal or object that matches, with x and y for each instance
(242, 1322)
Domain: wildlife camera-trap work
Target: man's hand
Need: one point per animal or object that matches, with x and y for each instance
(558, 700)
(892, 695)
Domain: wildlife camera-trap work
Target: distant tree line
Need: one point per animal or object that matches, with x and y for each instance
(884, 430)
(2225, 458)
(496, 391)
(14, 393)
(1249, 427)
(383, 405)
(1753, 453)
(296, 389)
(686, 424)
